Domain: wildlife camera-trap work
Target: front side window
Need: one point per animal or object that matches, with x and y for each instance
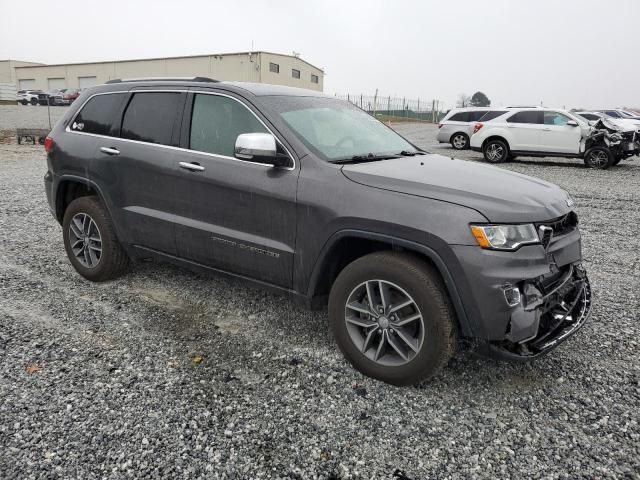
(555, 118)
(528, 116)
(274, 67)
(335, 129)
(150, 116)
(460, 117)
(314, 78)
(295, 73)
(216, 122)
(98, 116)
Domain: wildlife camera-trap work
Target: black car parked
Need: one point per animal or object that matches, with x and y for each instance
(312, 197)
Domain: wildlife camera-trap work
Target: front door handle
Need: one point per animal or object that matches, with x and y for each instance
(546, 129)
(110, 150)
(194, 167)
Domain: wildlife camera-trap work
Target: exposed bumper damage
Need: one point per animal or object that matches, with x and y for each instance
(622, 142)
(552, 309)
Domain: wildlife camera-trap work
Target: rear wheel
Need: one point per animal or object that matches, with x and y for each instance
(90, 240)
(34, 101)
(391, 318)
(599, 158)
(496, 151)
(24, 101)
(460, 141)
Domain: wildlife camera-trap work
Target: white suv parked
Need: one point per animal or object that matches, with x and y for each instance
(545, 132)
(456, 127)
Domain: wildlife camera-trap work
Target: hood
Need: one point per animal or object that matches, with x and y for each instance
(499, 195)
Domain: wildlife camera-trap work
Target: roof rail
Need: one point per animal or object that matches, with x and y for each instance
(163, 79)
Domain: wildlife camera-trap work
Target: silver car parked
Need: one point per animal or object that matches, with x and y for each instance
(456, 127)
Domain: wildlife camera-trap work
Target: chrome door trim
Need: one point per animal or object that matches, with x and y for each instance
(167, 90)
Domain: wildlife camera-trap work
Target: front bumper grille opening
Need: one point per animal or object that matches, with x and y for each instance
(561, 225)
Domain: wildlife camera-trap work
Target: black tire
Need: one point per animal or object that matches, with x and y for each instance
(34, 101)
(495, 151)
(460, 141)
(599, 158)
(422, 282)
(113, 261)
(24, 101)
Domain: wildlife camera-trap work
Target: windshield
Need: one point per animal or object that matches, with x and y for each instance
(337, 130)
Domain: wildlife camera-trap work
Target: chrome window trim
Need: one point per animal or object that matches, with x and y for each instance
(208, 154)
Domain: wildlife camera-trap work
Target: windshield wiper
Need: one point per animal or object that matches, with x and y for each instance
(369, 157)
(406, 153)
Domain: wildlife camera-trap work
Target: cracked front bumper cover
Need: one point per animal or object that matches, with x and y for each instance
(549, 315)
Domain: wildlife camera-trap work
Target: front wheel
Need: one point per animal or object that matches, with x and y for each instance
(599, 158)
(496, 151)
(460, 141)
(391, 318)
(34, 101)
(91, 242)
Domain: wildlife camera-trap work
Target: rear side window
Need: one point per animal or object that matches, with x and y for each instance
(492, 114)
(99, 114)
(216, 122)
(477, 115)
(150, 117)
(528, 116)
(460, 117)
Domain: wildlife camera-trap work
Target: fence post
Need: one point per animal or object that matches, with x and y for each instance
(375, 102)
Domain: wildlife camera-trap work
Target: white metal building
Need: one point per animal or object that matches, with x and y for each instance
(261, 67)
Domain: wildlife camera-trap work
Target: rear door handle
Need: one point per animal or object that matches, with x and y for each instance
(110, 150)
(194, 167)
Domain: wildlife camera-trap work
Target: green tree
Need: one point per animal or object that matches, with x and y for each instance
(479, 99)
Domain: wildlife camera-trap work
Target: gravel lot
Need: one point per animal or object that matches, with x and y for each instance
(165, 373)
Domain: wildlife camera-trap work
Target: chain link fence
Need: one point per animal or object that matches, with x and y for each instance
(397, 109)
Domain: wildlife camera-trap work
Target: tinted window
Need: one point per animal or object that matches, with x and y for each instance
(611, 113)
(274, 67)
(477, 115)
(555, 118)
(529, 116)
(590, 116)
(460, 117)
(491, 115)
(150, 117)
(99, 115)
(217, 121)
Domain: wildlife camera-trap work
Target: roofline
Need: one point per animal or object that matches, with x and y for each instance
(170, 58)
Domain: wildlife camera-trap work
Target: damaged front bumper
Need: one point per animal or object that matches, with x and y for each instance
(550, 312)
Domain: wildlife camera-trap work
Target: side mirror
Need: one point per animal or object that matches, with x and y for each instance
(572, 123)
(260, 148)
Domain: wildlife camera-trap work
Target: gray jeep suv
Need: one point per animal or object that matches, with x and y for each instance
(312, 197)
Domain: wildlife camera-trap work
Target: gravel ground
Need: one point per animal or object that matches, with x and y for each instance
(28, 116)
(165, 373)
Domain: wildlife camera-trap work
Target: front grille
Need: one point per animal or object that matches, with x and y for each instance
(561, 225)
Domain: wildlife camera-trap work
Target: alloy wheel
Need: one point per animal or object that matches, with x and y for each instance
(495, 152)
(384, 322)
(598, 159)
(85, 240)
(459, 141)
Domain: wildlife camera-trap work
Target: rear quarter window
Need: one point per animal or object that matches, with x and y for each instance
(460, 117)
(491, 115)
(99, 115)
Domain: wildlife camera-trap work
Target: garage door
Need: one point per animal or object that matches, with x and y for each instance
(29, 84)
(86, 82)
(57, 83)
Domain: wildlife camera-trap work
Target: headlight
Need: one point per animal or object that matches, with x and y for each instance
(505, 237)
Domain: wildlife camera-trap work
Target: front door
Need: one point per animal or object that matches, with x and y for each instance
(232, 215)
(557, 136)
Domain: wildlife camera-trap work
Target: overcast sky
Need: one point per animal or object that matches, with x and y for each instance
(573, 53)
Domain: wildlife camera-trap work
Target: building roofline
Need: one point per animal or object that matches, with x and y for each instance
(169, 58)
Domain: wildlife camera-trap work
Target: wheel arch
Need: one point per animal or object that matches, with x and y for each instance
(69, 188)
(348, 245)
(456, 133)
(496, 137)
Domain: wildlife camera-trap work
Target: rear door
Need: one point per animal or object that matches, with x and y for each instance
(557, 136)
(525, 129)
(233, 215)
(138, 168)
